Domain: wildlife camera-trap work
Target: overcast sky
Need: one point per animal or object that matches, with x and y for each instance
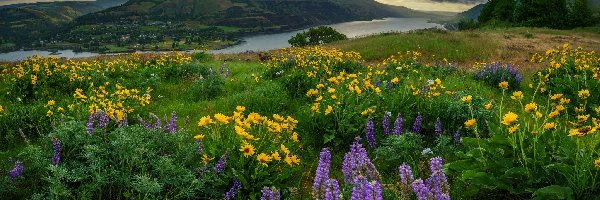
(429, 5)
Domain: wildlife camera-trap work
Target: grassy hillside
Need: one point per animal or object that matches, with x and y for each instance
(513, 45)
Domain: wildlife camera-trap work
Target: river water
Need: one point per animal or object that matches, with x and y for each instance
(268, 41)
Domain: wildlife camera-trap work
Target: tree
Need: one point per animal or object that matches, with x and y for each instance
(316, 36)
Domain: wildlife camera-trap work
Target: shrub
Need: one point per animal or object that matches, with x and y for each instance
(206, 88)
(316, 36)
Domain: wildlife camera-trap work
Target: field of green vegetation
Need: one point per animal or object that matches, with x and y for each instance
(423, 115)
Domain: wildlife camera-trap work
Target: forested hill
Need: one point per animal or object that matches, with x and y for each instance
(251, 13)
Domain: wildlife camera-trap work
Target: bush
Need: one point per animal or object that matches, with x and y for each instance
(206, 88)
(123, 162)
(316, 36)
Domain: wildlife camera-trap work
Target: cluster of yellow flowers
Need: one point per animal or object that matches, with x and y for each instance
(316, 61)
(267, 140)
(402, 60)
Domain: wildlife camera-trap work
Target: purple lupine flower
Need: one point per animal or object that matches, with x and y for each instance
(332, 190)
(437, 182)
(357, 163)
(157, 124)
(457, 136)
(377, 83)
(421, 190)
(145, 124)
(16, 171)
(57, 151)
(103, 119)
(365, 190)
(385, 124)
(226, 74)
(417, 125)
(398, 125)
(370, 133)
(222, 68)
(390, 85)
(171, 126)
(438, 127)
(124, 122)
(234, 187)
(425, 89)
(220, 166)
(322, 173)
(269, 194)
(89, 124)
(200, 147)
(406, 176)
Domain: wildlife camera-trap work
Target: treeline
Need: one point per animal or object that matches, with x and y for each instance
(560, 14)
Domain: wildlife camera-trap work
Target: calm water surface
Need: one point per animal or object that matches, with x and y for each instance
(268, 41)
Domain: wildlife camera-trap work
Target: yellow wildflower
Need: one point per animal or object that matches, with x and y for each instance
(531, 107)
(222, 118)
(565, 100)
(285, 149)
(503, 85)
(331, 90)
(582, 131)
(377, 90)
(51, 103)
(549, 126)
(597, 162)
(556, 96)
(513, 129)
(328, 110)
(247, 149)
(489, 106)
(597, 110)
(275, 156)
(49, 113)
(470, 123)
(582, 118)
(509, 118)
(263, 159)
(1, 109)
(291, 159)
(206, 159)
(467, 99)
(367, 111)
(517, 95)
(294, 137)
(584, 94)
(240, 108)
(199, 137)
(333, 97)
(205, 121)
(395, 80)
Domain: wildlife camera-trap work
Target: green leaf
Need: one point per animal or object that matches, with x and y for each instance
(553, 192)
(463, 165)
(327, 138)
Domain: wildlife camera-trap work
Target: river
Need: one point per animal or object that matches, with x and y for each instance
(268, 41)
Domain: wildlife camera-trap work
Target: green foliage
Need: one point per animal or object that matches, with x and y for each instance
(316, 36)
(129, 162)
(206, 88)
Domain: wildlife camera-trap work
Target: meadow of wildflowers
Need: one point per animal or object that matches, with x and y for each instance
(309, 123)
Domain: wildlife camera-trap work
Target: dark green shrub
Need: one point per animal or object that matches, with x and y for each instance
(206, 88)
(316, 36)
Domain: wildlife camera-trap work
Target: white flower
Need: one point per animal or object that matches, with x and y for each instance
(426, 151)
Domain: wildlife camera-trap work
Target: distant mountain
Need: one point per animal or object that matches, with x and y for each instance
(37, 19)
(289, 14)
(472, 13)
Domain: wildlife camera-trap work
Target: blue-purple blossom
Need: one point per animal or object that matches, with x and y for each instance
(322, 173)
(124, 122)
(237, 185)
(220, 166)
(437, 182)
(385, 124)
(398, 125)
(417, 125)
(56, 146)
(269, 194)
(377, 83)
(390, 85)
(357, 163)
(421, 190)
(497, 72)
(438, 127)
(89, 124)
(365, 190)
(200, 147)
(370, 133)
(171, 126)
(144, 124)
(103, 119)
(226, 74)
(157, 124)
(457, 136)
(332, 190)
(222, 68)
(16, 171)
(406, 176)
